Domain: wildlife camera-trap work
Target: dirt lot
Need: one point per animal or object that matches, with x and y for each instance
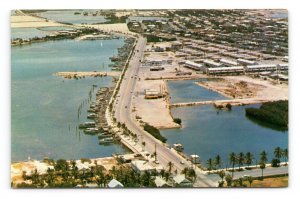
(246, 87)
(271, 182)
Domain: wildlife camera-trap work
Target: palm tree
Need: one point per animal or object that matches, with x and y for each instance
(248, 159)
(210, 164)
(228, 179)
(278, 153)
(221, 175)
(263, 157)
(185, 171)
(250, 180)
(170, 165)
(241, 159)
(218, 161)
(285, 154)
(232, 160)
(262, 166)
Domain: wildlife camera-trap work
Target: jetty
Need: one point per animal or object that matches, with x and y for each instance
(222, 103)
(75, 75)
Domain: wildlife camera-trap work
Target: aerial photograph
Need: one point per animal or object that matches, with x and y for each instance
(158, 98)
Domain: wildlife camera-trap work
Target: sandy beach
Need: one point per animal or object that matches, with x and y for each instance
(32, 22)
(118, 28)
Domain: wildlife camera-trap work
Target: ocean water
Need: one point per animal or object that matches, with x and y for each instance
(188, 91)
(44, 107)
(208, 132)
(27, 33)
(68, 16)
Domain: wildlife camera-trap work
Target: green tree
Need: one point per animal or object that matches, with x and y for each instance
(263, 157)
(248, 159)
(278, 153)
(285, 154)
(232, 160)
(210, 164)
(241, 159)
(250, 180)
(262, 166)
(228, 179)
(218, 162)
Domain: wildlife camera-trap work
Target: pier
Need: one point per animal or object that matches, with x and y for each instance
(222, 103)
(71, 75)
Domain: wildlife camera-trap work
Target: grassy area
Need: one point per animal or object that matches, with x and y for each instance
(270, 182)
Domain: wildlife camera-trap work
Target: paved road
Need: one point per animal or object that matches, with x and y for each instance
(123, 109)
(269, 171)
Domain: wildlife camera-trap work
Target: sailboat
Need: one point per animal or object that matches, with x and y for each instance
(101, 44)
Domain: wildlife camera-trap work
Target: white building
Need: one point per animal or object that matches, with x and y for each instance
(225, 70)
(210, 63)
(181, 181)
(227, 62)
(246, 62)
(115, 184)
(193, 65)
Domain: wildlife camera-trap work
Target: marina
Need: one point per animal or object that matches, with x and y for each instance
(62, 118)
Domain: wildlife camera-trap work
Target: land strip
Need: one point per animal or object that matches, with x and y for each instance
(70, 75)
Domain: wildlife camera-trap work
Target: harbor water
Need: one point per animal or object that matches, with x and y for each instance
(45, 109)
(209, 132)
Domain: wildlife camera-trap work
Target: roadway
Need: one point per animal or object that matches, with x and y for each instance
(123, 110)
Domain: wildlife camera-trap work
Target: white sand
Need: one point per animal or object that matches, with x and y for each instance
(31, 22)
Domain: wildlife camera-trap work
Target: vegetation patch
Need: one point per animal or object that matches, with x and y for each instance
(275, 113)
(154, 132)
(177, 120)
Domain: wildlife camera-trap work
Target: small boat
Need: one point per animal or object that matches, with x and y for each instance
(91, 110)
(87, 125)
(91, 130)
(91, 116)
(107, 140)
(104, 135)
(178, 147)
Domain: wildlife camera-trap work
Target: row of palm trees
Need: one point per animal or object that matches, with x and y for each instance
(66, 174)
(241, 159)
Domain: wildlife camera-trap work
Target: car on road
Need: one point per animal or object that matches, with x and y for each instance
(181, 162)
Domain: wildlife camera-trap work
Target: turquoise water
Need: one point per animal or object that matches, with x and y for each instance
(56, 28)
(188, 91)
(44, 107)
(208, 132)
(27, 33)
(68, 16)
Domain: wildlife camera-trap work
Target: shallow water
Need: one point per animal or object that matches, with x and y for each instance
(27, 33)
(68, 16)
(44, 107)
(188, 91)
